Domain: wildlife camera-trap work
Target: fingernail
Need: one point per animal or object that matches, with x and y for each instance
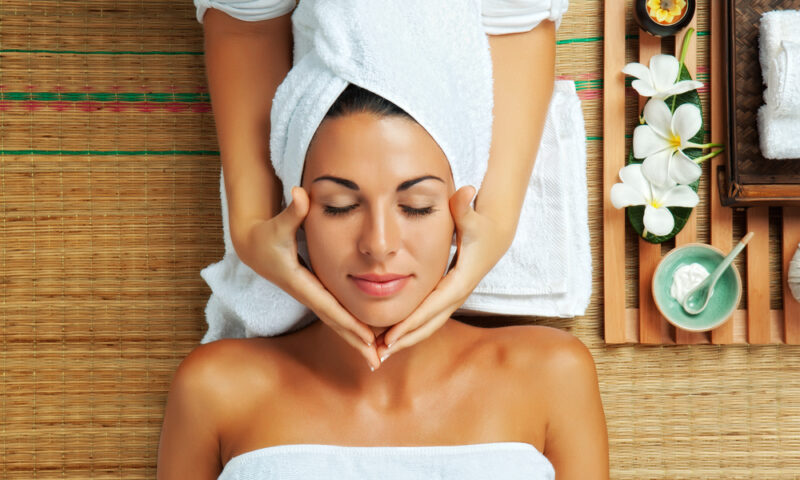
(384, 357)
(372, 369)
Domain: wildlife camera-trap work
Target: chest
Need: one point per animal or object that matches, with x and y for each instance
(456, 412)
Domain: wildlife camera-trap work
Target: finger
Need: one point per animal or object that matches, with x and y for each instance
(314, 295)
(293, 215)
(460, 203)
(446, 294)
(414, 337)
(463, 214)
(370, 353)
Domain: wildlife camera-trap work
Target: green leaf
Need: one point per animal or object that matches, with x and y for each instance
(681, 214)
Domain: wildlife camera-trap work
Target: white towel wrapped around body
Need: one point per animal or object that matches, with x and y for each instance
(436, 66)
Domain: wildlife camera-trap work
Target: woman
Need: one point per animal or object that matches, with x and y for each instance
(510, 402)
(248, 52)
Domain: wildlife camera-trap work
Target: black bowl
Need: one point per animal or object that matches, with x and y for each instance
(654, 28)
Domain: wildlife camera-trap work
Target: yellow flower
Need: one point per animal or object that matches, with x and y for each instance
(665, 11)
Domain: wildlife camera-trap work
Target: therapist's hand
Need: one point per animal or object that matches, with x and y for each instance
(269, 247)
(482, 242)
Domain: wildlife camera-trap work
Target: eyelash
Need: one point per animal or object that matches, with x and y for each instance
(411, 212)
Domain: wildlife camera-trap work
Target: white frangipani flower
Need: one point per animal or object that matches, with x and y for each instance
(662, 139)
(635, 189)
(659, 81)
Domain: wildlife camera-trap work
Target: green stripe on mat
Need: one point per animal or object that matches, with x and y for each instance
(105, 96)
(578, 40)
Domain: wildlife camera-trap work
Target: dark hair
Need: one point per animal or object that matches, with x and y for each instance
(355, 99)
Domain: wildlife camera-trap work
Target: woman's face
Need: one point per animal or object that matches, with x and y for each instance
(379, 227)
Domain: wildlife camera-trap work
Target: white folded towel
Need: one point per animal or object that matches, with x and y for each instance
(555, 211)
(436, 66)
(783, 85)
(775, 27)
(779, 54)
(778, 135)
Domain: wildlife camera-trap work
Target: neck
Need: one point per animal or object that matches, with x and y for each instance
(397, 378)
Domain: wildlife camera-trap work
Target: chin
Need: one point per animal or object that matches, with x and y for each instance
(381, 315)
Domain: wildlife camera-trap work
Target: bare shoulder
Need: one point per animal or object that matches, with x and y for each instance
(541, 360)
(203, 402)
(215, 373)
(542, 348)
(557, 375)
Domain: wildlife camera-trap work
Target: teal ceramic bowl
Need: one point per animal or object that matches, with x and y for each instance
(723, 301)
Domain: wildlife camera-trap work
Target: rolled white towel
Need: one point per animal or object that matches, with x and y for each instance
(794, 274)
(783, 92)
(778, 135)
(776, 26)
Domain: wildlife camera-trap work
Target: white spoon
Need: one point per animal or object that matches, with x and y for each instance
(697, 298)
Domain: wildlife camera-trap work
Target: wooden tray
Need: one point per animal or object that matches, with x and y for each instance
(749, 179)
(758, 323)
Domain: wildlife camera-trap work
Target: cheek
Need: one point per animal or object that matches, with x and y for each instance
(429, 242)
(328, 241)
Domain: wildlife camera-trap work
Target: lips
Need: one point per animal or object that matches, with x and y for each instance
(380, 285)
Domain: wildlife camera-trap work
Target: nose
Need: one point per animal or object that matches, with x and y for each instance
(380, 235)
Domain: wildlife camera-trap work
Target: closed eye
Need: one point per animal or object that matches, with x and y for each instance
(409, 211)
(416, 212)
(334, 211)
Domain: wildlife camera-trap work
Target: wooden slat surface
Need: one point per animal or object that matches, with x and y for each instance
(613, 161)
(689, 232)
(791, 307)
(721, 217)
(650, 320)
(758, 326)
(738, 325)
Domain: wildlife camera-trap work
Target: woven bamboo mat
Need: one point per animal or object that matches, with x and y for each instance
(109, 189)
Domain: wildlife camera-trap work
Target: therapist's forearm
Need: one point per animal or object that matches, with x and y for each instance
(524, 72)
(245, 63)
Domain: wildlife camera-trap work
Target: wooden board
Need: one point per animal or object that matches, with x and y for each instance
(758, 324)
(614, 155)
(758, 328)
(791, 307)
(721, 217)
(689, 232)
(651, 323)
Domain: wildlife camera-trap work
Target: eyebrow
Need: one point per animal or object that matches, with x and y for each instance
(353, 186)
